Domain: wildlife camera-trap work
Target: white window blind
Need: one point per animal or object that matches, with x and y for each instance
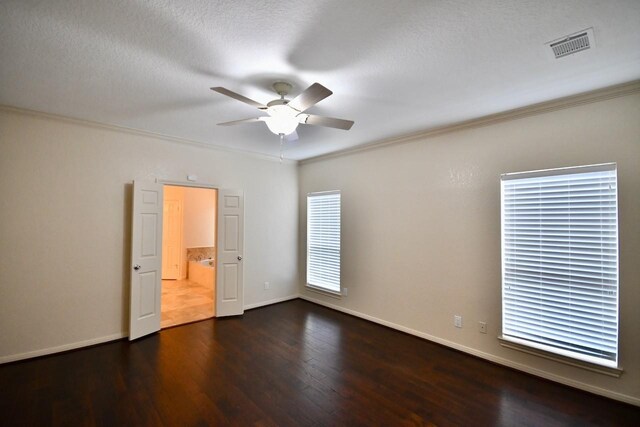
(323, 240)
(560, 261)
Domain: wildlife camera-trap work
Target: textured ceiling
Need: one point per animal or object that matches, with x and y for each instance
(395, 67)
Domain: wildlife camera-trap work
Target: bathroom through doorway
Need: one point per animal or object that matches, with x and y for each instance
(189, 254)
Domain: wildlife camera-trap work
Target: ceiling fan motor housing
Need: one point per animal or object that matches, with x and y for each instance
(280, 101)
(282, 88)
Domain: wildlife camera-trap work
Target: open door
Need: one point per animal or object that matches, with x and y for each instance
(229, 286)
(146, 259)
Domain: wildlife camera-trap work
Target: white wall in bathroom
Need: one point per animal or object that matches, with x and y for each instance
(199, 217)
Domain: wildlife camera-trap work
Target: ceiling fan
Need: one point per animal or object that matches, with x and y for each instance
(285, 115)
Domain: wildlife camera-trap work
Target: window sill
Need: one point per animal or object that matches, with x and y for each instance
(332, 294)
(612, 372)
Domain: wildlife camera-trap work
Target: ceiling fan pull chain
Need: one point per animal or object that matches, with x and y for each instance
(281, 146)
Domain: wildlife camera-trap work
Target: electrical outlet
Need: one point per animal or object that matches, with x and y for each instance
(482, 327)
(345, 291)
(457, 321)
(267, 285)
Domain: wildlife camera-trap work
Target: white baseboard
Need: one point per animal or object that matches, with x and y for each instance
(58, 349)
(499, 360)
(271, 301)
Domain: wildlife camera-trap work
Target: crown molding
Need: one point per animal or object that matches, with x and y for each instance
(137, 132)
(598, 95)
(531, 110)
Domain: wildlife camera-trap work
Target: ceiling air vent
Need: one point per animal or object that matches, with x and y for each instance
(573, 43)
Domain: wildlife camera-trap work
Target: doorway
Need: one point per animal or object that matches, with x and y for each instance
(189, 254)
(145, 292)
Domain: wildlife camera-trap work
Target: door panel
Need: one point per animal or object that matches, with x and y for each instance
(231, 232)
(149, 237)
(230, 294)
(230, 282)
(147, 294)
(146, 259)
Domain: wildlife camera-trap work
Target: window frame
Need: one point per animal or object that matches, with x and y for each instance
(319, 287)
(598, 364)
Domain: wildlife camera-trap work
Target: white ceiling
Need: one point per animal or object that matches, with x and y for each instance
(395, 67)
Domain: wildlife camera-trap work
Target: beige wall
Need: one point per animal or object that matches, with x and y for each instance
(421, 228)
(65, 225)
(199, 217)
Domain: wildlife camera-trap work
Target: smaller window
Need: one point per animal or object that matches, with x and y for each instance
(323, 241)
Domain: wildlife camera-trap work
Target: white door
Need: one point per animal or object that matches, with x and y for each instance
(229, 286)
(146, 259)
(171, 239)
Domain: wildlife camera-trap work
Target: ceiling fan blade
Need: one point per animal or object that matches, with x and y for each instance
(239, 97)
(328, 122)
(292, 137)
(239, 122)
(310, 97)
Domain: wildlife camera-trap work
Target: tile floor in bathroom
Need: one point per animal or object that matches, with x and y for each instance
(185, 301)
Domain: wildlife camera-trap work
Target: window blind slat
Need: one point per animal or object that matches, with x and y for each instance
(560, 260)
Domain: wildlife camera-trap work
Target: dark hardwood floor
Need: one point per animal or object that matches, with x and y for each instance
(294, 364)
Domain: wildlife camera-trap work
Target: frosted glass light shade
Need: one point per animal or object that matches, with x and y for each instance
(281, 125)
(282, 120)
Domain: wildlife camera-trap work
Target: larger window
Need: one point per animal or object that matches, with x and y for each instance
(323, 241)
(560, 262)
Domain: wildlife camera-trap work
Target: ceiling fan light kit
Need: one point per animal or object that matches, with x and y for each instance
(284, 116)
(282, 119)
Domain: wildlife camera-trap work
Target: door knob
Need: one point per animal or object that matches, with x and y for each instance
(239, 258)
(136, 267)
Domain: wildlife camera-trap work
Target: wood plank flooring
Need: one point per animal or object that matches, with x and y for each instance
(289, 364)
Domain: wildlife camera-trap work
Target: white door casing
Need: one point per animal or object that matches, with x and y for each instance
(146, 259)
(229, 284)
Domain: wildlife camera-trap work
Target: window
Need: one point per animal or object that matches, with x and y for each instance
(323, 241)
(560, 262)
